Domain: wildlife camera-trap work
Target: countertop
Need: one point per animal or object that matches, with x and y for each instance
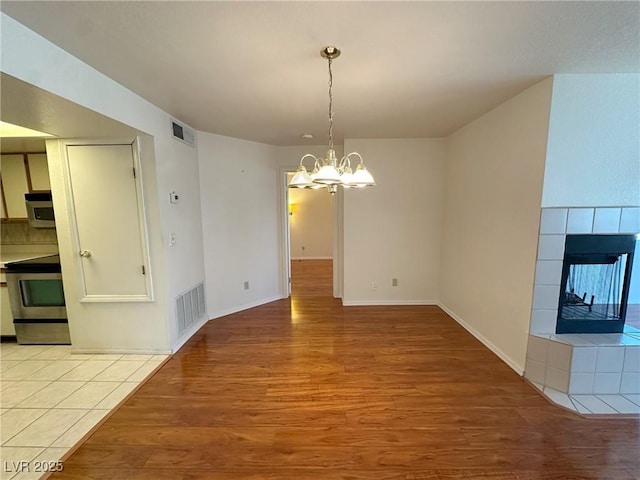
(8, 257)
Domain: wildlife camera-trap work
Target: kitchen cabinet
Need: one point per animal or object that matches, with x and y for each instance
(6, 317)
(3, 211)
(14, 185)
(39, 172)
(21, 173)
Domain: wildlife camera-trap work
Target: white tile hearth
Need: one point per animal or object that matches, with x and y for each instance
(608, 383)
(584, 359)
(52, 398)
(610, 359)
(594, 404)
(579, 367)
(631, 359)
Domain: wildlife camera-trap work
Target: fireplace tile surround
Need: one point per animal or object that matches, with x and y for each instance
(586, 373)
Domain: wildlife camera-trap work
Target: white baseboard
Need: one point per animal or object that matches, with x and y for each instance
(189, 332)
(245, 306)
(386, 303)
(311, 258)
(503, 356)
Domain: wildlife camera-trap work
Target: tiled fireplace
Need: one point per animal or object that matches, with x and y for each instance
(586, 372)
(594, 286)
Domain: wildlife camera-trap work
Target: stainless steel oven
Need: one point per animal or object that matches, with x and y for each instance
(36, 295)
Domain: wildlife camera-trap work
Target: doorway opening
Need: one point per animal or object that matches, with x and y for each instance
(311, 241)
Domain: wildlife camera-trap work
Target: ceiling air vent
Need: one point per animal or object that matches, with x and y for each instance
(183, 133)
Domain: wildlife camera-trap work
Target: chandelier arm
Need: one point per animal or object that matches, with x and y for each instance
(308, 155)
(356, 154)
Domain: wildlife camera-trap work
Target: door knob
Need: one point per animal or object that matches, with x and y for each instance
(85, 253)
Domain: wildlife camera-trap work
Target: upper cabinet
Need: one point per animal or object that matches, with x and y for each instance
(14, 185)
(20, 174)
(39, 172)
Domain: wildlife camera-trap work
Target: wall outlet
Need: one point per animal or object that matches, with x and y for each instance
(394, 282)
(374, 286)
(246, 285)
(172, 239)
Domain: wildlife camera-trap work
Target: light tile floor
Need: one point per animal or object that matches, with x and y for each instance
(597, 404)
(50, 398)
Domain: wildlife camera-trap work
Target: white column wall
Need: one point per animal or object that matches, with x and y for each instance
(493, 189)
(593, 155)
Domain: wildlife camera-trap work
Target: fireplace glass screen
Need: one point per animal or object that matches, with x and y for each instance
(595, 283)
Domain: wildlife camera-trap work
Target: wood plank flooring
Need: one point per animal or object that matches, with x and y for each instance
(308, 389)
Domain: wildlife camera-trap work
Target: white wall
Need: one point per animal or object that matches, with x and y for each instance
(593, 154)
(491, 214)
(166, 165)
(311, 223)
(394, 230)
(239, 199)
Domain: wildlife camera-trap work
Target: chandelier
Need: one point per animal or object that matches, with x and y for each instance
(329, 172)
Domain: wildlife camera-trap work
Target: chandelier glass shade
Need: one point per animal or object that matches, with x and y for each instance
(330, 172)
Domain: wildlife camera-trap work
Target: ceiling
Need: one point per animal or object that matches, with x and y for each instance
(408, 69)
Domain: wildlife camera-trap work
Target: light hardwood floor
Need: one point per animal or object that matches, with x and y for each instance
(308, 389)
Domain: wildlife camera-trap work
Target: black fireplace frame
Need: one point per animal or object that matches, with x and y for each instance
(595, 249)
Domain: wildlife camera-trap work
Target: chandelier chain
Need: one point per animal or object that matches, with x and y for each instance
(330, 106)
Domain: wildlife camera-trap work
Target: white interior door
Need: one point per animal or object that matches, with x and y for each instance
(109, 221)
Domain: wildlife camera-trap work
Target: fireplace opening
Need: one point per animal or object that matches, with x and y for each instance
(596, 273)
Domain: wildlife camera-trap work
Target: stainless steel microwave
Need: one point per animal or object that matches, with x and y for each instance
(40, 210)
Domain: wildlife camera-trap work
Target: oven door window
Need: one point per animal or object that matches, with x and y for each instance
(43, 213)
(42, 293)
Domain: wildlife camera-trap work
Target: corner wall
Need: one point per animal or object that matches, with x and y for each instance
(493, 191)
(239, 201)
(393, 230)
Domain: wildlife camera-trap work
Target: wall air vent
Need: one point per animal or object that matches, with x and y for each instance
(190, 307)
(183, 133)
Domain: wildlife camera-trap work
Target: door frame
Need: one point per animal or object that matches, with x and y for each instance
(284, 240)
(62, 146)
